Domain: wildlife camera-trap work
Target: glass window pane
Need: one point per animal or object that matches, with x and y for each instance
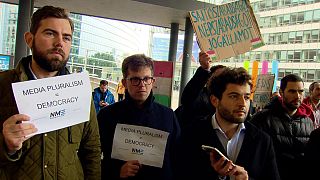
(286, 19)
(308, 16)
(292, 36)
(297, 56)
(307, 36)
(280, 74)
(290, 56)
(293, 18)
(315, 35)
(316, 15)
(283, 56)
(299, 37)
(310, 75)
(300, 18)
(285, 37)
(312, 55)
(318, 74)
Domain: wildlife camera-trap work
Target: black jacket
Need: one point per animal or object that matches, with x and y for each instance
(256, 154)
(195, 102)
(290, 136)
(153, 115)
(312, 155)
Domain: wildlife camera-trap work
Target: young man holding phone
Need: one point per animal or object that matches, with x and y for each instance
(246, 152)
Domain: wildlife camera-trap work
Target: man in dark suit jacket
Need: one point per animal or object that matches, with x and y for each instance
(248, 152)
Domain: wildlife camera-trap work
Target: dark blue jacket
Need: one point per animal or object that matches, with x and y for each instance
(152, 115)
(256, 154)
(109, 98)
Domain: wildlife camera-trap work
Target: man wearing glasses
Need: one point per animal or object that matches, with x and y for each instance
(139, 115)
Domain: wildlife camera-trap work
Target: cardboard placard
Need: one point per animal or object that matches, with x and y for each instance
(226, 30)
(263, 90)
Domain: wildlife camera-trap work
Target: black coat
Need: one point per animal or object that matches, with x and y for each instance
(195, 101)
(256, 154)
(312, 155)
(290, 136)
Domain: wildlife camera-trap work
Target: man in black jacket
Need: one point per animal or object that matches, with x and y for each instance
(287, 121)
(138, 111)
(248, 151)
(195, 103)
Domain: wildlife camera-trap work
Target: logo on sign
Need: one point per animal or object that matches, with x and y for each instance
(137, 151)
(57, 114)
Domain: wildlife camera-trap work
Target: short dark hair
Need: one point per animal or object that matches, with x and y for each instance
(218, 84)
(311, 87)
(135, 62)
(213, 69)
(104, 82)
(289, 78)
(48, 12)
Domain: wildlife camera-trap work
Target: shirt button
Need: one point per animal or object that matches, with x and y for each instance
(45, 166)
(46, 134)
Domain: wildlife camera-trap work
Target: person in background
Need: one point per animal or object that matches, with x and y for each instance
(139, 109)
(248, 151)
(120, 90)
(195, 103)
(313, 101)
(288, 123)
(69, 153)
(102, 96)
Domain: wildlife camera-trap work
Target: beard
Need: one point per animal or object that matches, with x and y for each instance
(52, 64)
(228, 116)
(290, 105)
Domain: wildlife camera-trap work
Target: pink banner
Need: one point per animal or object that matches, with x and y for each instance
(264, 67)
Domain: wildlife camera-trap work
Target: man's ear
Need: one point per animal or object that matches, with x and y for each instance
(28, 37)
(124, 83)
(281, 92)
(214, 101)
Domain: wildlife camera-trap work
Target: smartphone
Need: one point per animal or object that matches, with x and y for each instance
(217, 153)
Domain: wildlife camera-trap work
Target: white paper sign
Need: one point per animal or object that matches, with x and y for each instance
(54, 103)
(147, 145)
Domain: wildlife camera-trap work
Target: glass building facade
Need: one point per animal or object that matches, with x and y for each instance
(291, 32)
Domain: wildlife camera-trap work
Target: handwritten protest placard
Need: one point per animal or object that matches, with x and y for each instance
(147, 145)
(226, 30)
(263, 90)
(54, 103)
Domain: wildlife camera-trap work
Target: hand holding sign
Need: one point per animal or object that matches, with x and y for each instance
(15, 132)
(205, 60)
(130, 169)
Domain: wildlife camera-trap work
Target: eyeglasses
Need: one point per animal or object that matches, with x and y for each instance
(135, 81)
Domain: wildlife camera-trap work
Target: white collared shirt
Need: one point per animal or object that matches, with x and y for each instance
(233, 145)
(35, 77)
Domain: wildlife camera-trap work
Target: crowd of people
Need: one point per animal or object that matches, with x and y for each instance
(138, 138)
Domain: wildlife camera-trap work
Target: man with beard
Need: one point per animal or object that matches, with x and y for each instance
(248, 152)
(313, 101)
(68, 153)
(287, 122)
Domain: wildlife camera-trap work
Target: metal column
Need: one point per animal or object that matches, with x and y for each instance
(187, 53)
(173, 41)
(24, 16)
